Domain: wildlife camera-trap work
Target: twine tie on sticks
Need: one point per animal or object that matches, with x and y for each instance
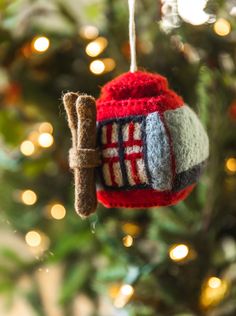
(83, 156)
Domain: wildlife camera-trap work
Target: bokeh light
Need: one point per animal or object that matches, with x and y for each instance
(46, 127)
(214, 282)
(222, 27)
(124, 294)
(127, 290)
(28, 197)
(230, 165)
(109, 63)
(58, 211)
(100, 66)
(213, 291)
(45, 140)
(128, 241)
(178, 252)
(131, 229)
(40, 44)
(97, 67)
(89, 32)
(33, 238)
(96, 47)
(27, 148)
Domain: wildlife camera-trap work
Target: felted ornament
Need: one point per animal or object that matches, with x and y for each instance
(153, 146)
(138, 146)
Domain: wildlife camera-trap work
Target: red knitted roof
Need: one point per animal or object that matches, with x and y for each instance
(134, 85)
(135, 94)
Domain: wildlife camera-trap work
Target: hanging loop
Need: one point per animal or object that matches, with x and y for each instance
(132, 36)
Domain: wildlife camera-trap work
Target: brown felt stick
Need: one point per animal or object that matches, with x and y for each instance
(84, 157)
(85, 195)
(69, 100)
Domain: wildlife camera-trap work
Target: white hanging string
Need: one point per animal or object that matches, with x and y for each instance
(132, 37)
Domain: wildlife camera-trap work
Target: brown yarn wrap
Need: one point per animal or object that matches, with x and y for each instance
(83, 156)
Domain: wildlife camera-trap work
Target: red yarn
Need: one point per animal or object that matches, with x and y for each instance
(141, 198)
(135, 94)
(132, 94)
(134, 85)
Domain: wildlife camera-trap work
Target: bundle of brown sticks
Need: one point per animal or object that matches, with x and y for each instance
(83, 156)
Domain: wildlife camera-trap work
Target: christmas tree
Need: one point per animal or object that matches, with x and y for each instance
(170, 261)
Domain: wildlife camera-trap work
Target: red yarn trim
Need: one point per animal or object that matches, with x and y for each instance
(136, 93)
(121, 108)
(141, 198)
(139, 84)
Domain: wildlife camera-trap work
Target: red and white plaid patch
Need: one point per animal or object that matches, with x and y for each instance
(122, 153)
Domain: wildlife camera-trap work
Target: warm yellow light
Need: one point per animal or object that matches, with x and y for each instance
(231, 165)
(97, 67)
(46, 127)
(109, 63)
(214, 282)
(222, 27)
(28, 197)
(89, 32)
(178, 252)
(93, 49)
(45, 140)
(41, 44)
(33, 238)
(114, 290)
(127, 290)
(27, 148)
(123, 296)
(213, 292)
(58, 211)
(96, 47)
(128, 241)
(131, 229)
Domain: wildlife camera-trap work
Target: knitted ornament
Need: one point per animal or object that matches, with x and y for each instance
(153, 146)
(150, 147)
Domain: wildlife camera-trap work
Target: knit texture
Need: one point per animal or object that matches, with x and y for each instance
(140, 198)
(136, 93)
(158, 153)
(190, 141)
(153, 146)
(123, 152)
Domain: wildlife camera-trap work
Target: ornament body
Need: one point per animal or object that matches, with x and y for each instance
(153, 146)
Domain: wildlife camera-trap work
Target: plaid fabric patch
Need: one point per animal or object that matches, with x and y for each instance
(122, 143)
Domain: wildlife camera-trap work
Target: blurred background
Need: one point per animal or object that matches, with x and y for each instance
(173, 261)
